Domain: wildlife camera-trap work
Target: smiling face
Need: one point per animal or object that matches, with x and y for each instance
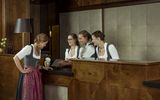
(71, 41)
(95, 40)
(82, 40)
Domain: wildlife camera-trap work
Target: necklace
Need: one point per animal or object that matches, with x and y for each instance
(101, 51)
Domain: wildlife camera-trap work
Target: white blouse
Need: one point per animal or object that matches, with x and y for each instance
(87, 51)
(68, 53)
(112, 50)
(26, 51)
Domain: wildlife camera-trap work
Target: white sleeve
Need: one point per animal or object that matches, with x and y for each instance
(80, 53)
(25, 51)
(66, 53)
(113, 52)
(89, 52)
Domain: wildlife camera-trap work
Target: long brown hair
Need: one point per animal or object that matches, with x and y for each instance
(40, 38)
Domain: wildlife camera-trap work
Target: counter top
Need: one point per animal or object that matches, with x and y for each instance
(128, 62)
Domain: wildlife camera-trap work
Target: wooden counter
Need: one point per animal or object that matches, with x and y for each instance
(92, 80)
(121, 80)
(8, 77)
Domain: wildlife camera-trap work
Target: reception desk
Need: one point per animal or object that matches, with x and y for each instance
(90, 80)
(121, 80)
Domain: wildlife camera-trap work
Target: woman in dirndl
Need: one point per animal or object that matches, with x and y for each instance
(30, 83)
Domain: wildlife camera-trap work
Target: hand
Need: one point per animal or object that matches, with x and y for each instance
(26, 70)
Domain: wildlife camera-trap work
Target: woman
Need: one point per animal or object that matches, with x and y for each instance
(30, 84)
(71, 53)
(73, 50)
(104, 50)
(87, 50)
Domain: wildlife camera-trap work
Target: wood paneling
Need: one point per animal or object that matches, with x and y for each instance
(8, 77)
(55, 42)
(46, 20)
(35, 15)
(11, 10)
(60, 80)
(122, 81)
(87, 73)
(76, 5)
(100, 80)
(0, 19)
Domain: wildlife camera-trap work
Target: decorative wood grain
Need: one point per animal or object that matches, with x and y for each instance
(11, 10)
(8, 77)
(122, 81)
(89, 73)
(0, 19)
(61, 80)
(76, 5)
(55, 42)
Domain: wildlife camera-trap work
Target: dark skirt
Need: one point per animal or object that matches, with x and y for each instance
(30, 86)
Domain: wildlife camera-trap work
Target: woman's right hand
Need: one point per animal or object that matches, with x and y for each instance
(26, 70)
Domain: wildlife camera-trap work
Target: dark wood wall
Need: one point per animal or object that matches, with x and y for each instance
(72, 5)
(1, 19)
(80, 3)
(43, 14)
(8, 77)
(10, 11)
(45, 19)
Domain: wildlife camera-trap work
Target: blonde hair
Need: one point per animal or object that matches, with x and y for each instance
(41, 38)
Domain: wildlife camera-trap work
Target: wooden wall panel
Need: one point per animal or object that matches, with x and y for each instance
(55, 42)
(11, 10)
(121, 81)
(80, 3)
(8, 77)
(35, 15)
(77, 5)
(0, 19)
